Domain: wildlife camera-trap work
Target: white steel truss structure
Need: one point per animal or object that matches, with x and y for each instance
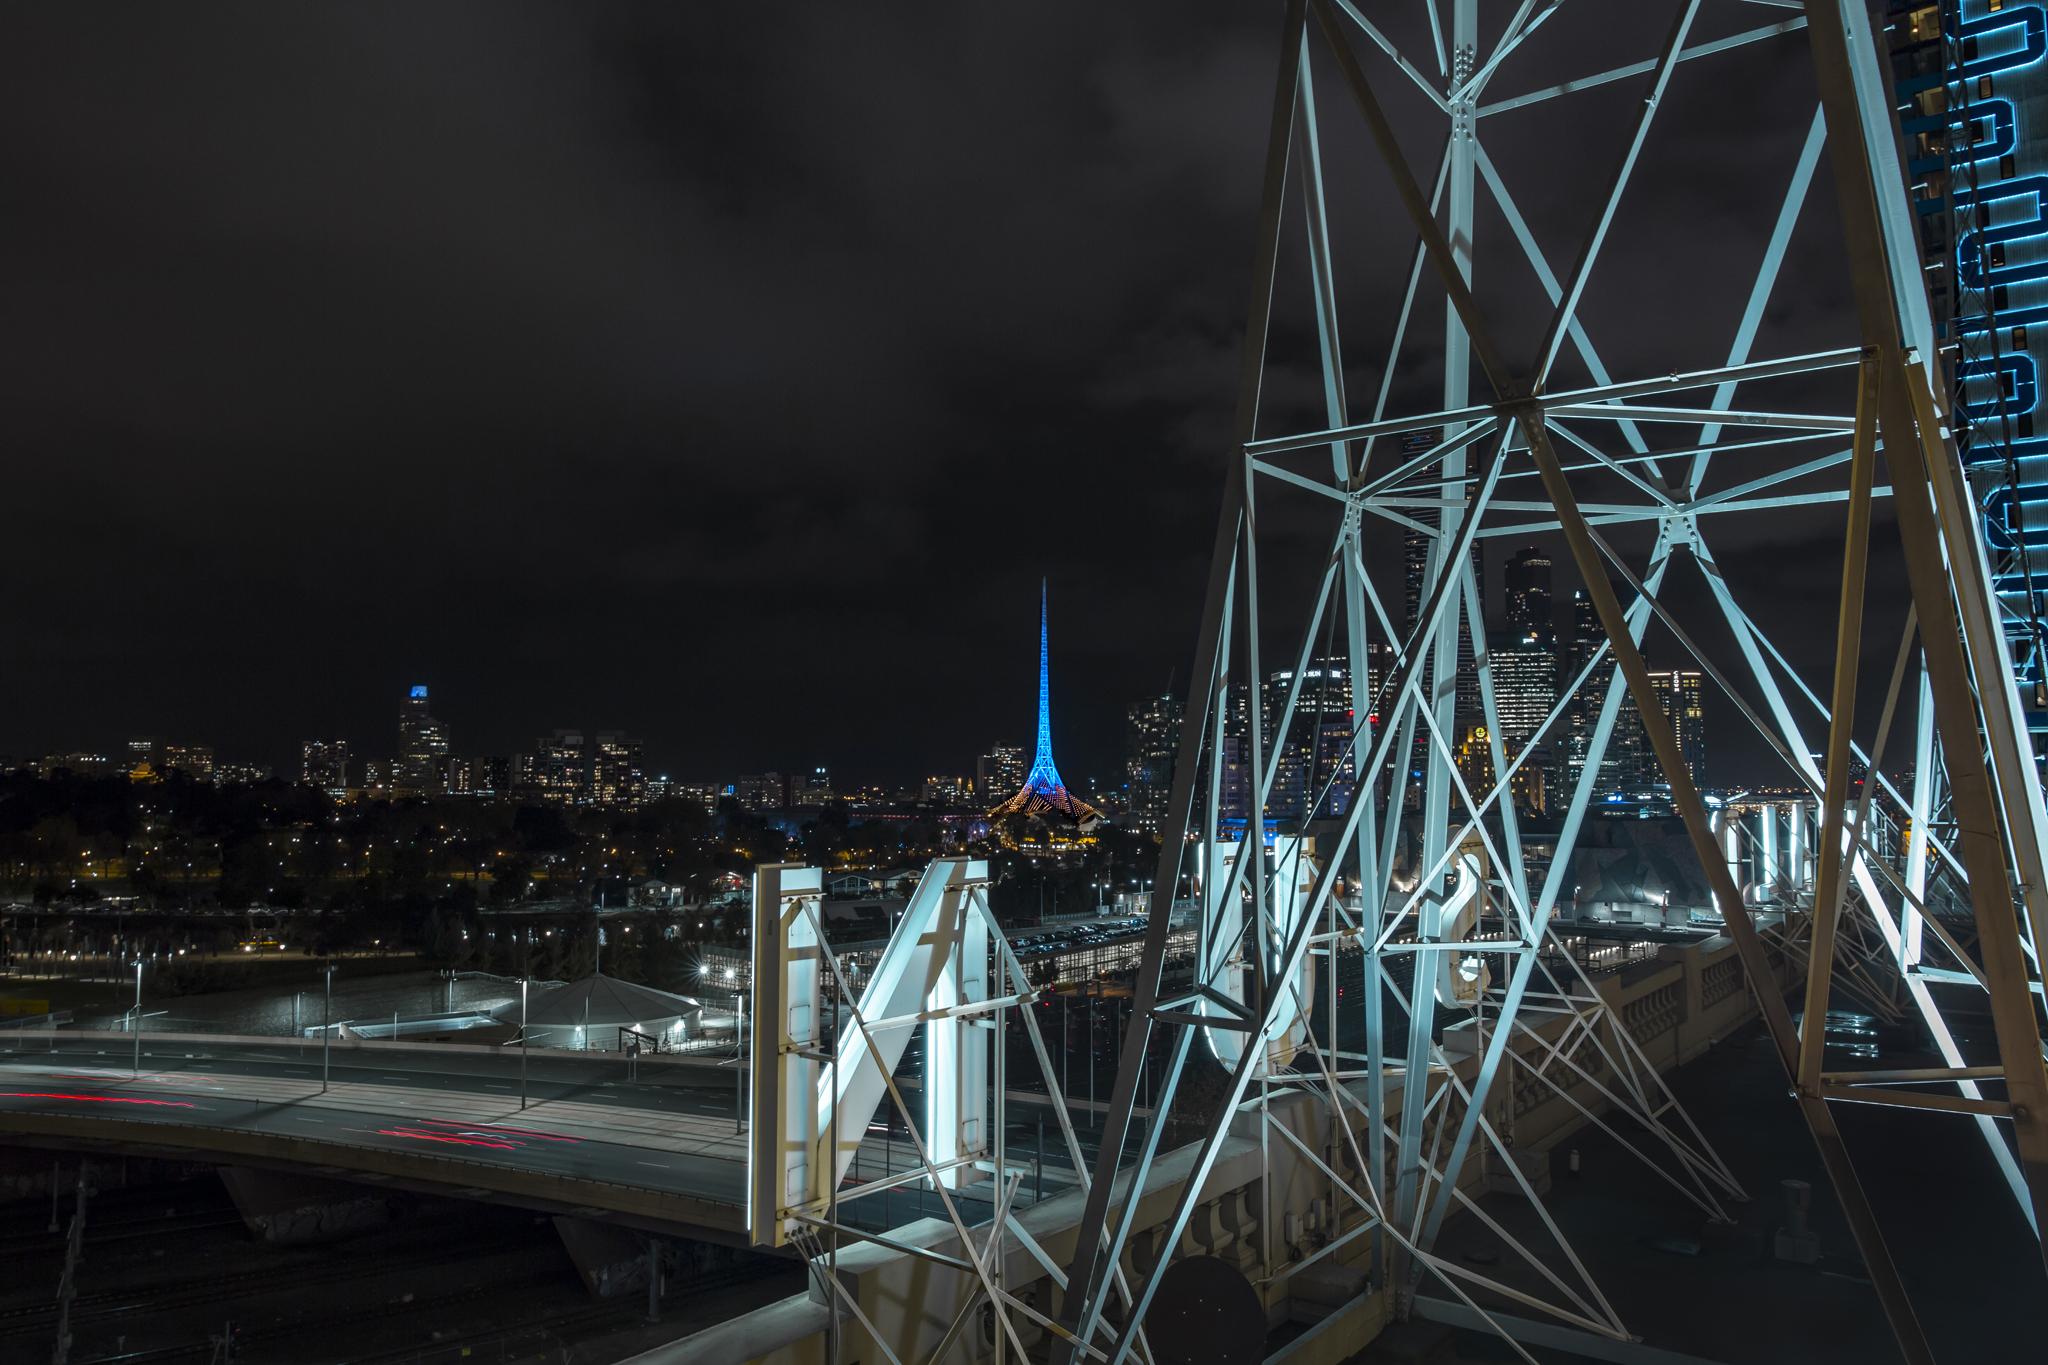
(1941, 853)
(949, 970)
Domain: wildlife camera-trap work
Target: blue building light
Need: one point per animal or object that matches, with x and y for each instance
(1970, 245)
(419, 691)
(2018, 381)
(2024, 26)
(1986, 144)
(1045, 774)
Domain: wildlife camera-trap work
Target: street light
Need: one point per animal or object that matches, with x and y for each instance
(326, 1026)
(136, 1023)
(522, 1042)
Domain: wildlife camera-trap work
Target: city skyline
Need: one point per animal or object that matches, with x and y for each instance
(1528, 617)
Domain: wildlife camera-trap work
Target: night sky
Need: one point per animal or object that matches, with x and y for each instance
(728, 375)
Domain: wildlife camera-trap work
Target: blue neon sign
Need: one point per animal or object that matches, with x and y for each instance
(1997, 189)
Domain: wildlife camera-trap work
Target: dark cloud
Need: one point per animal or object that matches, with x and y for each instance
(730, 375)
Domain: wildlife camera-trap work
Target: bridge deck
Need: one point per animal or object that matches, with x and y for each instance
(589, 1135)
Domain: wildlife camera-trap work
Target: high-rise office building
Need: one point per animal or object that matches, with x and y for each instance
(1524, 691)
(323, 763)
(1312, 762)
(1529, 615)
(1417, 547)
(491, 776)
(811, 790)
(617, 773)
(561, 769)
(1151, 741)
(1000, 771)
(422, 746)
(761, 792)
(1586, 638)
(1679, 691)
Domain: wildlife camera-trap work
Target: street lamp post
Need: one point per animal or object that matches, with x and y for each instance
(136, 1023)
(522, 1042)
(326, 1026)
(739, 1080)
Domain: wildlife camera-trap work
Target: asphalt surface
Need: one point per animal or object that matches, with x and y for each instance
(670, 1130)
(666, 1125)
(698, 1087)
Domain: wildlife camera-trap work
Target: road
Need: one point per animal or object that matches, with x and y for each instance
(670, 1130)
(667, 1126)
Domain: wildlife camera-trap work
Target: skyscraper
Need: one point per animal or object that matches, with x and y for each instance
(1679, 691)
(489, 775)
(561, 769)
(1524, 690)
(1620, 766)
(999, 771)
(1151, 740)
(617, 774)
(761, 791)
(1312, 762)
(323, 763)
(1417, 546)
(422, 746)
(1526, 580)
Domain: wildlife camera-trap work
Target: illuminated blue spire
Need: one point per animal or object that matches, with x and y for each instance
(1045, 774)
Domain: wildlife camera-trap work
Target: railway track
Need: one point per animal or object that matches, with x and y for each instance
(108, 1303)
(542, 1330)
(44, 1242)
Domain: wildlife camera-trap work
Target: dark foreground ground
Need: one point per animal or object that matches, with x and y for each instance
(1960, 1243)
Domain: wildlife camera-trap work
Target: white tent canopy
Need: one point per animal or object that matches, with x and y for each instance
(589, 1013)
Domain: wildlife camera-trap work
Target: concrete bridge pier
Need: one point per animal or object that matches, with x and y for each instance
(283, 1209)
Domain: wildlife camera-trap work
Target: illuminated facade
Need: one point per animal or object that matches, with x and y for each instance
(617, 774)
(808, 791)
(951, 790)
(1000, 770)
(561, 769)
(422, 746)
(1043, 813)
(1679, 690)
(492, 775)
(151, 759)
(1973, 92)
(1524, 691)
(323, 763)
(1151, 734)
(760, 791)
(1317, 752)
(1526, 580)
